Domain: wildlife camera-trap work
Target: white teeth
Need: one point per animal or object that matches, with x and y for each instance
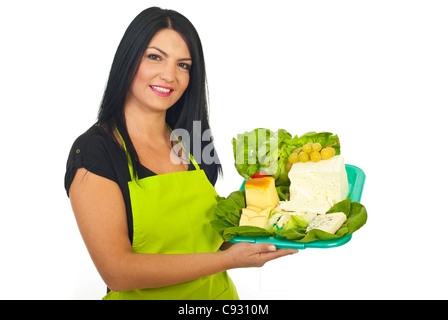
(163, 90)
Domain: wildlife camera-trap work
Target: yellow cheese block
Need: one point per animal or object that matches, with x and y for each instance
(261, 192)
(256, 217)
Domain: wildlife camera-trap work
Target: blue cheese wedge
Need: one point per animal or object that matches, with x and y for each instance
(330, 222)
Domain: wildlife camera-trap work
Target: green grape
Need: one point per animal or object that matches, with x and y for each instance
(317, 147)
(304, 157)
(288, 166)
(293, 157)
(315, 156)
(308, 147)
(326, 153)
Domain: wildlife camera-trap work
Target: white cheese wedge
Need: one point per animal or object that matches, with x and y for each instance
(330, 222)
(317, 186)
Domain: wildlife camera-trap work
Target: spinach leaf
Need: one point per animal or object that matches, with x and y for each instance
(246, 231)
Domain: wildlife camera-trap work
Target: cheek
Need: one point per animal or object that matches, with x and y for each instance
(137, 86)
(142, 75)
(184, 81)
(140, 82)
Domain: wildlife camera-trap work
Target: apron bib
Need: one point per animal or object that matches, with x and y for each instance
(171, 215)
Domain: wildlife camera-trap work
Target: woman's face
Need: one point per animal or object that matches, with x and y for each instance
(163, 74)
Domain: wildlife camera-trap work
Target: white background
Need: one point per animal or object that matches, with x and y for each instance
(374, 72)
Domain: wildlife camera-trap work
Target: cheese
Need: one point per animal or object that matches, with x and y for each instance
(261, 192)
(256, 218)
(280, 218)
(317, 186)
(261, 198)
(330, 222)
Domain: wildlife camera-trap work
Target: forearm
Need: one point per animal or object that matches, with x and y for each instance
(101, 216)
(138, 271)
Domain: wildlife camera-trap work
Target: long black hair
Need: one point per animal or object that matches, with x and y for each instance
(192, 106)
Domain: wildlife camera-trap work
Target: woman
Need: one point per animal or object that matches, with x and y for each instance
(145, 218)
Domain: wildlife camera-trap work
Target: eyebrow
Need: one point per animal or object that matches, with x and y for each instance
(166, 54)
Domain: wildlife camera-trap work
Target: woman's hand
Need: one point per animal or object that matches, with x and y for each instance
(246, 254)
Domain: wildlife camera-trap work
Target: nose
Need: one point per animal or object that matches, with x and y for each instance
(167, 73)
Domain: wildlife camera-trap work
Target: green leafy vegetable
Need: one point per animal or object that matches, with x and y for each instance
(246, 231)
(263, 150)
(295, 228)
(228, 211)
(283, 192)
(245, 151)
(356, 217)
(326, 139)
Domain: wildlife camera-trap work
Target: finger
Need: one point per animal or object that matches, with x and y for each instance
(265, 247)
(269, 247)
(285, 252)
(279, 253)
(256, 248)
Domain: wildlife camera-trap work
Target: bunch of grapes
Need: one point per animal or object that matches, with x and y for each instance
(310, 151)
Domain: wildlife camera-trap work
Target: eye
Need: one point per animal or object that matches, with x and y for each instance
(184, 65)
(153, 56)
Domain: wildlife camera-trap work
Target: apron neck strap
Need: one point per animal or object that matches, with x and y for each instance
(126, 151)
(182, 145)
(129, 157)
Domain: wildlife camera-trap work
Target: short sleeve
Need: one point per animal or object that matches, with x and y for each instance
(90, 151)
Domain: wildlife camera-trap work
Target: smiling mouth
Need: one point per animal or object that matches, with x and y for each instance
(162, 89)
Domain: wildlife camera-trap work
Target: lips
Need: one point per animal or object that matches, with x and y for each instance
(161, 90)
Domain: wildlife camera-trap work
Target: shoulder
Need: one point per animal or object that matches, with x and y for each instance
(95, 151)
(92, 148)
(95, 137)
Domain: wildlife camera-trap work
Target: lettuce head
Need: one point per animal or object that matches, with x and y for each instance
(266, 151)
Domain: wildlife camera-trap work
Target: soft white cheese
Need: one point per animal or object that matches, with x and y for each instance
(317, 186)
(279, 218)
(330, 222)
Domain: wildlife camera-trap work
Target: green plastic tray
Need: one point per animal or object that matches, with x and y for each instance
(356, 178)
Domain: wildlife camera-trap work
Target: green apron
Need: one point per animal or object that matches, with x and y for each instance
(171, 214)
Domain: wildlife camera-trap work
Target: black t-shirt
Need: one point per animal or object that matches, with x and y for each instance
(97, 152)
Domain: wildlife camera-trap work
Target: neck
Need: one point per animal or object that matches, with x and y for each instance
(146, 125)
